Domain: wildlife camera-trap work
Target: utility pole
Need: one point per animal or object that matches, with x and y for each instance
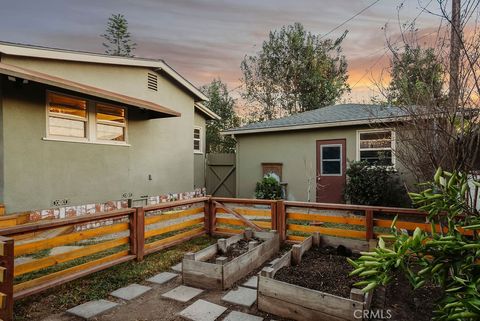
(455, 42)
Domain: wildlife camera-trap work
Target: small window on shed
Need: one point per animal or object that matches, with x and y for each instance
(152, 81)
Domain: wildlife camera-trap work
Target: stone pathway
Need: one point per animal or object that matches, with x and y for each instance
(130, 292)
(241, 296)
(203, 310)
(162, 278)
(182, 293)
(92, 308)
(251, 283)
(177, 268)
(240, 316)
(166, 299)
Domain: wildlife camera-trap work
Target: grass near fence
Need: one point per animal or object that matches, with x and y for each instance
(99, 285)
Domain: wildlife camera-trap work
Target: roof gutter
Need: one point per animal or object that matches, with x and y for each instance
(314, 126)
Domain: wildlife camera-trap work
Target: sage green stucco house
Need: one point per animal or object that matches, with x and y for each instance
(310, 151)
(81, 128)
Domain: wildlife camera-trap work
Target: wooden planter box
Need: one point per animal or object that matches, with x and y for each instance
(222, 274)
(299, 303)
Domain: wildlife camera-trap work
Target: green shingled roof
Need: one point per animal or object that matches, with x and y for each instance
(330, 116)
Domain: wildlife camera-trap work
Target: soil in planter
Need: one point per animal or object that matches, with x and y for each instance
(321, 269)
(235, 250)
(407, 304)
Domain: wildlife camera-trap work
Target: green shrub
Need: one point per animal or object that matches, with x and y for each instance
(374, 185)
(445, 257)
(268, 188)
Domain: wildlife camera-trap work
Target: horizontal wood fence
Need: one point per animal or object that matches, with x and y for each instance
(90, 243)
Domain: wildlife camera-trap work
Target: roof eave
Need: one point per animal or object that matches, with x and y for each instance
(315, 126)
(207, 112)
(54, 81)
(68, 55)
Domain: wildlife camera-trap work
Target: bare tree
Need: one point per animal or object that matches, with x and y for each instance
(437, 130)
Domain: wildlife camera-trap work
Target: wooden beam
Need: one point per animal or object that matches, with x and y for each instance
(239, 216)
(51, 224)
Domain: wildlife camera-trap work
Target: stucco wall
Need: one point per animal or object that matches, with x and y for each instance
(39, 171)
(295, 149)
(199, 158)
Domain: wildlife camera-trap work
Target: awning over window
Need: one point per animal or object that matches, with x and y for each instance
(31, 75)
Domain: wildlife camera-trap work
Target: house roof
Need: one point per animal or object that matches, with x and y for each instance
(70, 55)
(207, 112)
(39, 77)
(329, 116)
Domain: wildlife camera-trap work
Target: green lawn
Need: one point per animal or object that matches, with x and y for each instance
(98, 285)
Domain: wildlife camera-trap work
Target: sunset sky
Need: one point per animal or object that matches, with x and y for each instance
(207, 39)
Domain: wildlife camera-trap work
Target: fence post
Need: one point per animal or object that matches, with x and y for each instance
(207, 214)
(140, 214)
(6, 284)
(132, 218)
(281, 220)
(213, 215)
(273, 215)
(369, 225)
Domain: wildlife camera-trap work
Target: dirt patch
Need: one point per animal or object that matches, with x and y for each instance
(408, 304)
(235, 250)
(321, 269)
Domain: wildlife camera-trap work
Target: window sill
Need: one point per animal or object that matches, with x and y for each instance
(198, 152)
(66, 140)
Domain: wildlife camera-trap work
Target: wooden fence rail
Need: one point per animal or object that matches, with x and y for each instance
(110, 238)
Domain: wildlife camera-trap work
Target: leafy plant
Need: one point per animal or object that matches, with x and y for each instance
(268, 188)
(221, 103)
(294, 71)
(448, 255)
(368, 184)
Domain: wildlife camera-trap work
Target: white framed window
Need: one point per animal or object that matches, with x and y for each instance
(331, 156)
(197, 140)
(376, 146)
(67, 117)
(111, 122)
(76, 119)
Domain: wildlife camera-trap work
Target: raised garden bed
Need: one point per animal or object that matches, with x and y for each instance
(327, 296)
(220, 265)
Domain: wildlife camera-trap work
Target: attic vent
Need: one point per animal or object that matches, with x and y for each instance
(152, 81)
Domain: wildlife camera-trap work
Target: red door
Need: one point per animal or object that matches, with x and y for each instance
(331, 166)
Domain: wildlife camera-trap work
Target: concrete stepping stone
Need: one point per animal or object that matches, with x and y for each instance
(162, 278)
(182, 293)
(251, 283)
(242, 296)
(240, 316)
(92, 308)
(202, 310)
(130, 292)
(177, 267)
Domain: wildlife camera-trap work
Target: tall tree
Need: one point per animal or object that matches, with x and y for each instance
(295, 71)
(439, 131)
(118, 38)
(417, 77)
(223, 105)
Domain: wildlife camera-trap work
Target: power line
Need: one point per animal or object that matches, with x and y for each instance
(351, 18)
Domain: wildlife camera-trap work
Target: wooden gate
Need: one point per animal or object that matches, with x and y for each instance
(220, 177)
